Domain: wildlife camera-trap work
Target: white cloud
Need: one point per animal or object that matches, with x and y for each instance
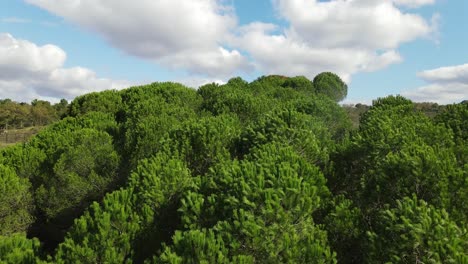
(176, 33)
(203, 36)
(439, 93)
(414, 3)
(21, 58)
(355, 101)
(447, 85)
(29, 71)
(457, 74)
(70, 82)
(276, 53)
(196, 82)
(219, 62)
(340, 36)
(376, 24)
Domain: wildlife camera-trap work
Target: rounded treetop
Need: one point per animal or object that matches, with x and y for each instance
(331, 85)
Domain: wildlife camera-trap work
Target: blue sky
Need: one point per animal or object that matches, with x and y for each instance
(54, 49)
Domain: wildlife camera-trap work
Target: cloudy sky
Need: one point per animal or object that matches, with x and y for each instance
(52, 49)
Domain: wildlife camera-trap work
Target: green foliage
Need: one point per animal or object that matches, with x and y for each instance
(80, 166)
(16, 248)
(16, 202)
(270, 81)
(152, 111)
(355, 112)
(82, 173)
(299, 83)
(38, 113)
(204, 142)
(147, 123)
(25, 159)
(157, 180)
(455, 117)
(345, 230)
(131, 223)
(14, 115)
(415, 232)
(306, 134)
(269, 171)
(331, 85)
(233, 98)
(61, 108)
(104, 233)
(42, 113)
(326, 110)
(159, 184)
(55, 138)
(107, 101)
(172, 93)
(395, 153)
(261, 207)
(237, 82)
(196, 246)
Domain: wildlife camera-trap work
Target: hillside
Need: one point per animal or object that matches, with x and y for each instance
(271, 171)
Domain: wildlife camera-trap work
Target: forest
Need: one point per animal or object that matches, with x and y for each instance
(268, 171)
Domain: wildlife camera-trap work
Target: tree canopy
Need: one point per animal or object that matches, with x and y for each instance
(331, 85)
(268, 171)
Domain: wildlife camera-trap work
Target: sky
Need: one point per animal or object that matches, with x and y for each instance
(53, 49)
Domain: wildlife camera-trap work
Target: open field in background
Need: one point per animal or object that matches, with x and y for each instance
(14, 136)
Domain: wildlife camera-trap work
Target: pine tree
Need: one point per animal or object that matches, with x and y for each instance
(16, 204)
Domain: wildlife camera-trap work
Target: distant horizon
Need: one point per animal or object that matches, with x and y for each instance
(53, 49)
(343, 103)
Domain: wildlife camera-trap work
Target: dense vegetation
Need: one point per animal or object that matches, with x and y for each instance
(270, 171)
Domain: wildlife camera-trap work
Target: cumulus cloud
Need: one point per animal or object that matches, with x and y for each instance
(29, 71)
(457, 74)
(340, 36)
(446, 85)
(204, 38)
(277, 53)
(358, 23)
(22, 59)
(219, 62)
(175, 33)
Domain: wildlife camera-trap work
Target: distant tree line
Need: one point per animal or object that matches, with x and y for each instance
(37, 113)
(355, 112)
(270, 171)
